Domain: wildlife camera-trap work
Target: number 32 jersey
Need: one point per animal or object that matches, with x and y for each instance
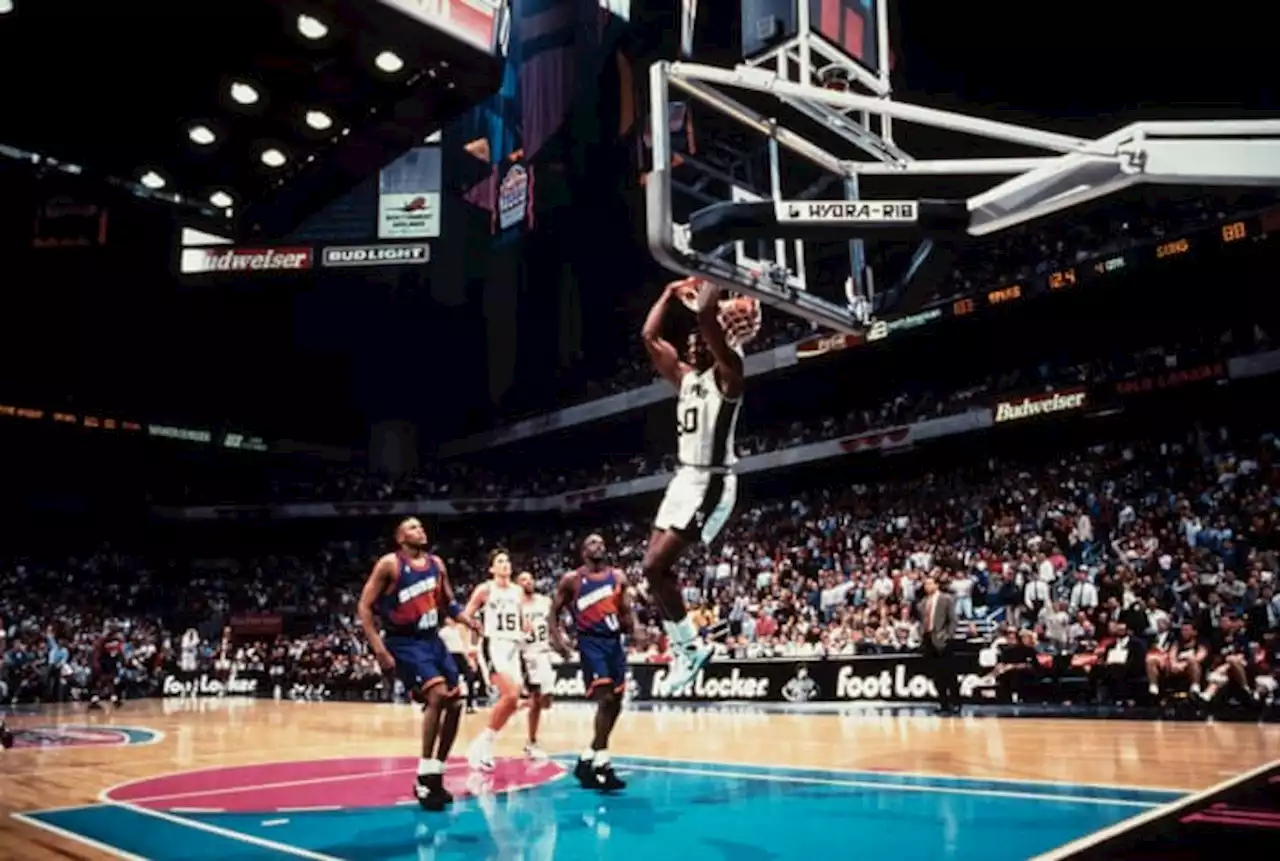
(705, 422)
(536, 611)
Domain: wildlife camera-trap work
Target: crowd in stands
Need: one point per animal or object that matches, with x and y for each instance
(1088, 560)
(462, 479)
(1011, 257)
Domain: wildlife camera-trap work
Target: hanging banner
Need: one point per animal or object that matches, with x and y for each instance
(409, 196)
(513, 197)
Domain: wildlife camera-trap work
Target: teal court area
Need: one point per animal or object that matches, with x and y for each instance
(361, 809)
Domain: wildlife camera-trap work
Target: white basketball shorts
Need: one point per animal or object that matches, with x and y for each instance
(501, 657)
(697, 504)
(539, 672)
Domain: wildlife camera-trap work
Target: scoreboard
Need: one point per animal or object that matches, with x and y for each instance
(850, 25)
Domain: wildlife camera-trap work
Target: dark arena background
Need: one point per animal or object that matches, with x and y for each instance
(281, 275)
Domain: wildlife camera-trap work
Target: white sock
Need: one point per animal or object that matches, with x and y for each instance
(682, 634)
(430, 766)
(602, 758)
(588, 755)
(487, 736)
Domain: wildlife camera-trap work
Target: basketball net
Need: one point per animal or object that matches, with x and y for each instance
(739, 317)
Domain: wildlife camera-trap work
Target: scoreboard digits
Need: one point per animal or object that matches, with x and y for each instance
(1234, 232)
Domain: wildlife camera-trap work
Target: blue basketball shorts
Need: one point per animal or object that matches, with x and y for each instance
(423, 662)
(604, 662)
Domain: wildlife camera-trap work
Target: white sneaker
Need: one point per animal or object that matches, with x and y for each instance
(480, 755)
(685, 667)
(537, 754)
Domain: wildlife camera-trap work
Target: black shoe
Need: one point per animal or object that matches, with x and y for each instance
(430, 792)
(586, 774)
(438, 788)
(607, 779)
(6, 736)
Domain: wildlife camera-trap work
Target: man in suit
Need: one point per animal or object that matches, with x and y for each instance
(938, 629)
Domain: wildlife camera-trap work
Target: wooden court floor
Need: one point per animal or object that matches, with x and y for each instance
(208, 733)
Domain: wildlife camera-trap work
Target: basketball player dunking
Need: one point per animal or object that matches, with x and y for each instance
(539, 675)
(409, 590)
(596, 597)
(703, 491)
(498, 603)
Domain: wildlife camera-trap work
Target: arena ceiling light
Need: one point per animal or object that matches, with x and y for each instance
(221, 199)
(152, 180)
(309, 27)
(319, 120)
(273, 157)
(389, 62)
(6, 6)
(243, 94)
(201, 135)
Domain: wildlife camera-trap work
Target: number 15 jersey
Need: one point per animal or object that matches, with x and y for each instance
(705, 422)
(501, 611)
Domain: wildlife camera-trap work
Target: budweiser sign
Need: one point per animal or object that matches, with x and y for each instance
(1040, 405)
(197, 261)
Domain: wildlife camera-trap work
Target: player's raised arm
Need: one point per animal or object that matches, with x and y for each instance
(479, 595)
(559, 603)
(664, 356)
(374, 588)
(728, 360)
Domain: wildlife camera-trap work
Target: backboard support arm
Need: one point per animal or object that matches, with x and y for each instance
(1074, 170)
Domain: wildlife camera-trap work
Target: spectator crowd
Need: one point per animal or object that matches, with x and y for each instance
(444, 479)
(1150, 564)
(1089, 560)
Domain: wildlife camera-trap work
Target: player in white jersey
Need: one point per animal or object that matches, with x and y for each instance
(703, 490)
(539, 674)
(498, 601)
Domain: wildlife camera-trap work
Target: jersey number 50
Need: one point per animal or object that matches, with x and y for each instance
(687, 422)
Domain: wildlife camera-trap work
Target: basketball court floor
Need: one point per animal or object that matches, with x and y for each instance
(261, 779)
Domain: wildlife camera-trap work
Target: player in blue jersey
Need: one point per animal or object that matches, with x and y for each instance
(596, 597)
(409, 591)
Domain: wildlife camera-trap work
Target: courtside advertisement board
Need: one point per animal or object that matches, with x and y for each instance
(868, 212)
(249, 261)
(1040, 405)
